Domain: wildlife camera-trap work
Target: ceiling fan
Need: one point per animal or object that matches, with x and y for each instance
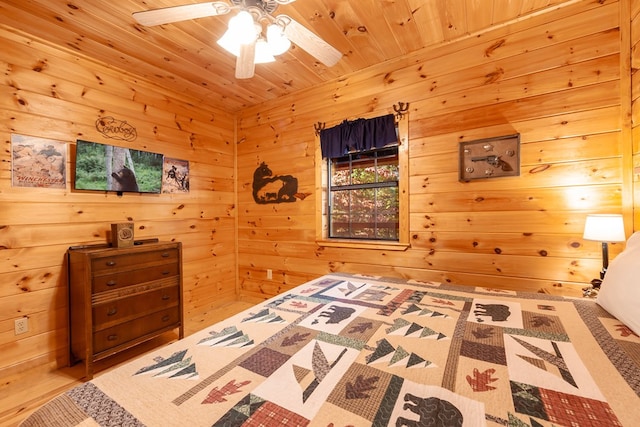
(244, 36)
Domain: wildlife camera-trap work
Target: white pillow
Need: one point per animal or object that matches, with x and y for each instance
(620, 290)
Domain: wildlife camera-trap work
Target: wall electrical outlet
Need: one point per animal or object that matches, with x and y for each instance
(269, 274)
(21, 325)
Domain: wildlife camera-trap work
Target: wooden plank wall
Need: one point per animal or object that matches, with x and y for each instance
(635, 109)
(53, 93)
(554, 78)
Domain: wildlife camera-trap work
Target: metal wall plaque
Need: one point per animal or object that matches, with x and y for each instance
(490, 158)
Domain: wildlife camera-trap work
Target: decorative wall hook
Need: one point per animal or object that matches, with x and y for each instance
(319, 127)
(401, 109)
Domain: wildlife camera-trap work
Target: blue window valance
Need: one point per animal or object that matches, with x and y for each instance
(358, 135)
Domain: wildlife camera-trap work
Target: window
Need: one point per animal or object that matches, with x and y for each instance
(362, 198)
(363, 195)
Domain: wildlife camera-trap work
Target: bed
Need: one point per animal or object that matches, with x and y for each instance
(357, 350)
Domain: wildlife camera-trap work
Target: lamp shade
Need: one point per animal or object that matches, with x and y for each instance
(263, 53)
(242, 30)
(604, 228)
(229, 43)
(242, 27)
(277, 41)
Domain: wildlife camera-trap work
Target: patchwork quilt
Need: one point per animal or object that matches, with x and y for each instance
(355, 350)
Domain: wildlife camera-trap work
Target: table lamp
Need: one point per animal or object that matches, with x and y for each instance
(604, 228)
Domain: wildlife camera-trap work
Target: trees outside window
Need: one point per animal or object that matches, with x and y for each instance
(363, 195)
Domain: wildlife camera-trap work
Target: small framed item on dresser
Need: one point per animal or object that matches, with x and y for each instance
(122, 235)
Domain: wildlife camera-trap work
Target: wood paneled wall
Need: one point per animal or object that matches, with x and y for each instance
(555, 79)
(634, 59)
(52, 93)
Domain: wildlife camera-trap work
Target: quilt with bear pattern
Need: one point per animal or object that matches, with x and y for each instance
(356, 350)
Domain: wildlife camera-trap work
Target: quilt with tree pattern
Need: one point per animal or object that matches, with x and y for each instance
(356, 350)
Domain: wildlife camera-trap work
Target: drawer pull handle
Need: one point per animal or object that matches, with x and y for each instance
(165, 255)
(111, 263)
(165, 272)
(165, 297)
(111, 283)
(112, 311)
(166, 318)
(112, 337)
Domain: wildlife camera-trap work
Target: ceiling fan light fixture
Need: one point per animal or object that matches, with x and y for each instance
(277, 41)
(228, 43)
(242, 28)
(244, 35)
(263, 52)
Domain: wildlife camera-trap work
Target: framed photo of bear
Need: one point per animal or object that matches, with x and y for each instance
(102, 167)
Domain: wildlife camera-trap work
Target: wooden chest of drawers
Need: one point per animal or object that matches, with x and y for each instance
(119, 298)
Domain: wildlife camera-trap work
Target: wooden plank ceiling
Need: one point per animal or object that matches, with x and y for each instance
(184, 56)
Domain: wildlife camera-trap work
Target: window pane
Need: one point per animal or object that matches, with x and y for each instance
(363, 173)
(339, 226)
(340, 202)
(370, 213)
(387, 213)
(388, 201)
(340, 173)
(365, 167)
(388, 172)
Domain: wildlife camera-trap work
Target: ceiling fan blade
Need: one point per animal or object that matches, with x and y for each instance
(167, 15)
(309, 41)
(246, 64)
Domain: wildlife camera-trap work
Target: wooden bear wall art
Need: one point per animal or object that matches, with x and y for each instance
(269, 188)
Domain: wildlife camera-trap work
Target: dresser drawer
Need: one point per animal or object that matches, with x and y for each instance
(105, 264)
(113, 281)
(121, 310)
(128, 331)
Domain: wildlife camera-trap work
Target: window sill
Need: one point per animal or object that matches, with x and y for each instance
(365, 244)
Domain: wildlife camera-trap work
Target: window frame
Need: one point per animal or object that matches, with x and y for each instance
(349, 162)
(322, 192)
